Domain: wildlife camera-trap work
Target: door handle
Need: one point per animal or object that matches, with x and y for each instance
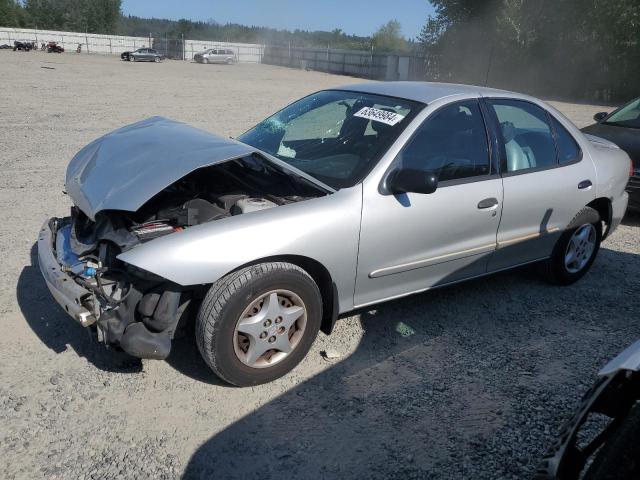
(584, 184)
(488, 203)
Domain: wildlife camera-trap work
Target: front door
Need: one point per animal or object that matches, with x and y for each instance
(411, 242)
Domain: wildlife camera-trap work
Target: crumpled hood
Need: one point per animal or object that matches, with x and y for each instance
(125, 168)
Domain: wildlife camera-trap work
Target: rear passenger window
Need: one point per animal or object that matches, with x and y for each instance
(526, 134)
(452, 143)
(568, 148)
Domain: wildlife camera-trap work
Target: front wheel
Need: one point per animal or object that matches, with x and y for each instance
(576, 249)
(257, 324)
(156, 59)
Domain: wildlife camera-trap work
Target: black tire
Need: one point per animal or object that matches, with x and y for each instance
(619, 458)
(554, 268)
(227, 299)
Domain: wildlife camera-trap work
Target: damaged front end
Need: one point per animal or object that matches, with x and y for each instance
(127, 307)
(130, 187)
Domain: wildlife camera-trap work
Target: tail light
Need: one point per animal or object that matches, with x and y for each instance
(631, 168)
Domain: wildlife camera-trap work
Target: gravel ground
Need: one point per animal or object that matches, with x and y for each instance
(465, 382)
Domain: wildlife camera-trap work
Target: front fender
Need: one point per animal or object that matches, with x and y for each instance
(325, 229)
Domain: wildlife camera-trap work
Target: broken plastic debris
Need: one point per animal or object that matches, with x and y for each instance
(404, 330)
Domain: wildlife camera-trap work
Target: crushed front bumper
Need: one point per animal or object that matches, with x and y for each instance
(76, 300)
(116, 325)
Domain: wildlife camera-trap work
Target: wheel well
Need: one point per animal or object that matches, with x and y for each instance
(321, 276)
(603, 206)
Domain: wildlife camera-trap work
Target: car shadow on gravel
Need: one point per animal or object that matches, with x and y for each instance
(57, 330)
(186, 359)
(468, 381)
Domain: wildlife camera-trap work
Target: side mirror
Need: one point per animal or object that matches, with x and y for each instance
(412, 181)
(598, 117)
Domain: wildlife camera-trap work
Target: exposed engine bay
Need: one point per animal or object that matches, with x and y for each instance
(136, 310)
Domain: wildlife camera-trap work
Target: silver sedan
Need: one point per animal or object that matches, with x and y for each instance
(344, 199)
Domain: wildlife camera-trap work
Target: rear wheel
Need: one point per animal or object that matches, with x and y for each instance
(156, 59)
(576, 250)
(257, 324)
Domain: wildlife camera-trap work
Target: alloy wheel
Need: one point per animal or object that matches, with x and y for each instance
(270, 328)
(580, 248)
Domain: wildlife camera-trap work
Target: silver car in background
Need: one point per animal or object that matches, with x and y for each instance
(344, 199)
(216, 55)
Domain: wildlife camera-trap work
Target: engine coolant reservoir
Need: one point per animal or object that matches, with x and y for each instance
(248, 205)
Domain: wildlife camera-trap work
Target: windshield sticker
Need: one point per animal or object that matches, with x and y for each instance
(370, 113)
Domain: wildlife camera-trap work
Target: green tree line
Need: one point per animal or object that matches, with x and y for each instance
(93, 16)
(212, 30)
(569, 48)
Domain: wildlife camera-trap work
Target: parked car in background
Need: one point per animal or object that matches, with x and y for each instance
(216, 55)
(143, 55)
(622, 127)
(24, 45)
(5, 46)
(344, 199)
(613, 449)
(53, 47)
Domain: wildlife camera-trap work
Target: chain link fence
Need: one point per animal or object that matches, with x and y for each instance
(171, 47)
(356, 63)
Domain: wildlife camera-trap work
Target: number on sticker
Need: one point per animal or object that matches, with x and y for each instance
(377, 115)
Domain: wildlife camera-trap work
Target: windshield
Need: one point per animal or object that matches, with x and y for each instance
(335, 136)
(628, 116)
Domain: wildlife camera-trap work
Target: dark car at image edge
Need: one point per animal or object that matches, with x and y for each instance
(622, 127)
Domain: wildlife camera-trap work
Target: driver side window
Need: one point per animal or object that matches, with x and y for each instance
(452, 143)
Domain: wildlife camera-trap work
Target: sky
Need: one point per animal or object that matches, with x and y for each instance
(359, 17)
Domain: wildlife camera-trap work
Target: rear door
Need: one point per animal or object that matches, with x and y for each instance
(546, 181)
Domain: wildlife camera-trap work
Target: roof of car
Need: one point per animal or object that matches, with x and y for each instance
(425, 92)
